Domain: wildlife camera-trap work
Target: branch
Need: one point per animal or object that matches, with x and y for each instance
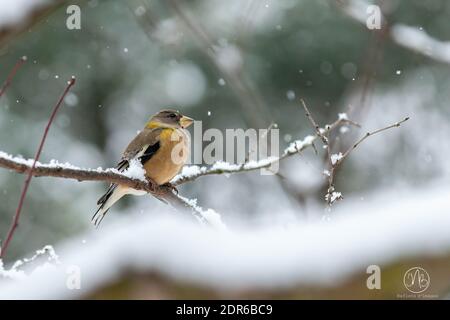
(335, 160)
(11, 75)
(68, 171)
(191, 173)
(408, 37)
(369, 134)
(249, 98)
(26, 184)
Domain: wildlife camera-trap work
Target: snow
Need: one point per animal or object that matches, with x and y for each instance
(297, 145)
(134, 173)
(290, 95)
(393, 226)
(13, 12)
(135, 170)
(334, 197)
(222, 166)
(344, 129)
(418, 40)
(225, 166)
(210, 216)
(15, 272)
(335, 157)
(342, 116)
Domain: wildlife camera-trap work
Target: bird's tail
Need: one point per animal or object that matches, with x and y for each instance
(114, 193)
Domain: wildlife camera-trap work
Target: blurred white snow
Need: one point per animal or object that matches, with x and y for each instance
(389, 227)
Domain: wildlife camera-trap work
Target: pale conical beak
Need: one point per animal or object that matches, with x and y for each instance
(186, 122)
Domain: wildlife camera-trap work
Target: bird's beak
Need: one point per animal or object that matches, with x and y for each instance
(186, 122)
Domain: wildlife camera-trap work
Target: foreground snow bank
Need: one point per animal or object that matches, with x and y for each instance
(316, 253)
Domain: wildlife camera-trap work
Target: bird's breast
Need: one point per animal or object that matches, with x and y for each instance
(171, 156)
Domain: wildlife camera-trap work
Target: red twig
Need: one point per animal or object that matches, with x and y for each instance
(26, 184)
(12, 74)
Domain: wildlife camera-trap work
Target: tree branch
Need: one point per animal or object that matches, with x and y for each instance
(26, 184)
(68, 171)
(11, 75)
(335, 160)
(411, 38)
(191, 173)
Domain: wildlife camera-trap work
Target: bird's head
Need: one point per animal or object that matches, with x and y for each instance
(169, 119)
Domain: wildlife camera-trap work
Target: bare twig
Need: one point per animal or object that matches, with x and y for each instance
(334, 161)
(16, 217)
(369, 134)
(11, 75)
(314, 123)
(332, 195)
(250, 101)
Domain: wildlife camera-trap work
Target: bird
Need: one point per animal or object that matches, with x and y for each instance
(162, 148)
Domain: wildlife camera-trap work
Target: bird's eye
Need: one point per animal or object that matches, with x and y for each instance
(172, 115)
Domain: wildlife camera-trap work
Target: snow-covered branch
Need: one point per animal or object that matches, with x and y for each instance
(69, 171)
(190, 173)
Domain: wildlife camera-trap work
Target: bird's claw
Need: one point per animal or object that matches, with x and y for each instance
(170, 186)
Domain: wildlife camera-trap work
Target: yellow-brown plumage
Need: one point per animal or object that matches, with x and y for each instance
(162, 147)
(170, 157)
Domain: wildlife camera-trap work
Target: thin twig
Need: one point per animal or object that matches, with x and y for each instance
(332, 161)
(331, 195)
(26, 185)
(369, 134)
(11, 75)
(314, 123)
(250, 100)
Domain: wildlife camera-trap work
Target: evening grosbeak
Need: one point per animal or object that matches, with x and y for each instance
(162, 147)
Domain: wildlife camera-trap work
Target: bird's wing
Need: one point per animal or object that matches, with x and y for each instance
(142, 147)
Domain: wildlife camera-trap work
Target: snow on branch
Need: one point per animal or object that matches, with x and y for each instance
(190, 173)
(335, 160)
(69, 171)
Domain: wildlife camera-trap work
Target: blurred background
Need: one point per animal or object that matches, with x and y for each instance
(230, 64)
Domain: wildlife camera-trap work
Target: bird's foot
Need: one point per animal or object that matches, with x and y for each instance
(170, 186)
(153, 186)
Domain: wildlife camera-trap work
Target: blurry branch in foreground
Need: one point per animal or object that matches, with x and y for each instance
(335, 160)
(251, 103)
(11, 75)
(31, 13)
(412, 38)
